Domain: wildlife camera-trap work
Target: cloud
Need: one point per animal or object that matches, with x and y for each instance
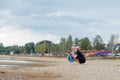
(52, 19)
(11, 35)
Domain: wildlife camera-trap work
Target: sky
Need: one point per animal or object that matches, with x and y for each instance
(23, 21)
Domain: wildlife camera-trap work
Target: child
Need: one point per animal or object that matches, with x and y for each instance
(70, 58)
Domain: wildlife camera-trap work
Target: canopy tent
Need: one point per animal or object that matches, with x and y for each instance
(116, 44)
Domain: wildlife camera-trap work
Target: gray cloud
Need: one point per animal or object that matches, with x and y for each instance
(62, 17)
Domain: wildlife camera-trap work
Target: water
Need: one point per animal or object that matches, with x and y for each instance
(15, 61)
(2, 66)
(12, 77)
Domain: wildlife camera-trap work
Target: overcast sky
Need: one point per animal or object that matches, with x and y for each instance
(23, 21)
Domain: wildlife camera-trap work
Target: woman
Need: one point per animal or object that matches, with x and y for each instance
(78, 56)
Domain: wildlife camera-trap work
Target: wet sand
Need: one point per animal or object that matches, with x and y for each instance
(47, 68)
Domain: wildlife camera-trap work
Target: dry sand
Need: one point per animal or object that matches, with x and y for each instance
(46, 68)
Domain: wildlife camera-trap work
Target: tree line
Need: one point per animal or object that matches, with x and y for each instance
(63, 46)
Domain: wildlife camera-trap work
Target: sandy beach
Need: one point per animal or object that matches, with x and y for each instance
(49, 68)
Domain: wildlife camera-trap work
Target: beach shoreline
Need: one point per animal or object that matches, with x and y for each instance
(49, 68)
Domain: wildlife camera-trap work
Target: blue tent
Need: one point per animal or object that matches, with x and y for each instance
(100, 53)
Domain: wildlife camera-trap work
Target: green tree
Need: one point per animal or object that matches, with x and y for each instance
(21, 49)
(62, 45)
(14, 48)
(3, 50)
(30, 47)
(77, 42)
(85, 44)
(98, 43)
(111, 42)
(54, 48)
(69, 43)
(1, 45)
(43, 46)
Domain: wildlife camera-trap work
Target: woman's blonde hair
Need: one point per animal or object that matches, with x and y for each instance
(77, 47)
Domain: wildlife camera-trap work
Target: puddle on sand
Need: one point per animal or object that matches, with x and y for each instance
(14, 61)
(4, 58)
(4, 76)
(5, 66)
(8, 66)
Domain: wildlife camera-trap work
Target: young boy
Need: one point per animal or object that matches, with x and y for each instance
(70, 58)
